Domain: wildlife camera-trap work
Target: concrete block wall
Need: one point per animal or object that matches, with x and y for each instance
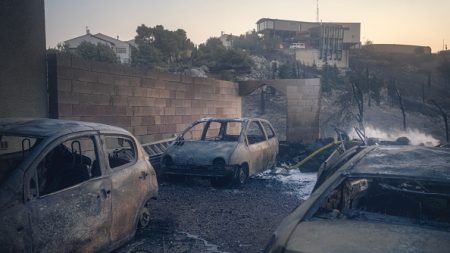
(151, 105)
(275, 110)
(297, 106)
(303, 111)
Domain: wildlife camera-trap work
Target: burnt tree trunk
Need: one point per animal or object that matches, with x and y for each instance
(423, 92)
(359, 98)
(400, 100)
(368, 87)
(444, 116)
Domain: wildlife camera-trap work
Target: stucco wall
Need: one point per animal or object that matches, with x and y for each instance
(23, 89)
(149, 104)
(310, 57)
(303, 106)
(103, 39)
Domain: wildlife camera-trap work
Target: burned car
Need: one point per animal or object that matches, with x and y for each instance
(227, 150)
(69, 186)
(380, 199)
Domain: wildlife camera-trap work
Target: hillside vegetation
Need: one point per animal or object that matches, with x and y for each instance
(382, 90)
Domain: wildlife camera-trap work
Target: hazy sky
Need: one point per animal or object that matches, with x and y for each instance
(418, 22)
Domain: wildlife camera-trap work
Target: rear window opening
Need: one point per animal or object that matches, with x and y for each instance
(389, 200)
(14, 150)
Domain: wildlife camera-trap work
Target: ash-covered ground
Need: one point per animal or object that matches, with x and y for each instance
(192, 216)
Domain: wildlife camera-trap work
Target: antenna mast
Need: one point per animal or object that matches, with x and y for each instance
(317, 14)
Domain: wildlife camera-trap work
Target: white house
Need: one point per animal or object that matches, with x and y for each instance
(227, 40)
(314, 43)
(122, 48)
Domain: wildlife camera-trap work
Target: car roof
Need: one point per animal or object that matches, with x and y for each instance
(43, 127)
(229, 119)
(405, 161)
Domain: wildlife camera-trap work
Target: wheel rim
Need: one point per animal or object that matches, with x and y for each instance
(144, 219)
(242, 176)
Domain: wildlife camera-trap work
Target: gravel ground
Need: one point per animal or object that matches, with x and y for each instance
(192, 216)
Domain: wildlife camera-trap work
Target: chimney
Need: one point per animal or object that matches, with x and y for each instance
(87, 30)
(117, 37)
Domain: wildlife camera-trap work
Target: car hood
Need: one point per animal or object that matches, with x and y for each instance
(363, 236)
(200, 152)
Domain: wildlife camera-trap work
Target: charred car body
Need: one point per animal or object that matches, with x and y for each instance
(68, 186)
(376, 199)
(224, 149)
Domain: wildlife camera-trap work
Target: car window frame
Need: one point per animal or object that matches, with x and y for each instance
(222, 127)
(270, 127)
(191, 127)
(260, 128)
(31, 172)
(105, 153)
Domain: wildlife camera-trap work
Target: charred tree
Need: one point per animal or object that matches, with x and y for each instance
(444, 116)
(359, 98)
(368, 87)
(400, 100)
(423, 92)
(263, 100)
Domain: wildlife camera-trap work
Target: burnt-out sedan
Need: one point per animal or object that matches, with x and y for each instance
(227, 150)
(69, 186)
(381, 199)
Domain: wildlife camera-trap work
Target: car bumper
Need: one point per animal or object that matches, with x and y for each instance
(202, 171)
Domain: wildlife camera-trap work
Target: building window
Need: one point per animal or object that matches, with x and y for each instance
(121, 50)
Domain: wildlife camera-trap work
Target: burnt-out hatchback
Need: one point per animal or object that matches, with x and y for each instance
(380, 199)
(227, 150)
(69, 186)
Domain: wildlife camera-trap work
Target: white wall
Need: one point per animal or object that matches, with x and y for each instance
(118, 47)
(309, 57)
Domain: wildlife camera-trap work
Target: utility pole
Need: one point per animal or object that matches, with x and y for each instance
(317, 9)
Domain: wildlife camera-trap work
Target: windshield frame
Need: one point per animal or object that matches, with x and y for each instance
(207, 124)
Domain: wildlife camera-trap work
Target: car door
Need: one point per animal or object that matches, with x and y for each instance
(70, 210)
(130, 183)
(15, 233)
(272, 147)
(257, 145)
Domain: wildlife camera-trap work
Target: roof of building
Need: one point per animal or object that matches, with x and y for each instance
(405, 161)
(394, 45)
(102, 37)
(43, 127)
(307, 22)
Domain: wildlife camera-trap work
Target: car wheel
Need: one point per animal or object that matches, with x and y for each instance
(175, 178)
(220, 182)
(240, 176)
(144, 216)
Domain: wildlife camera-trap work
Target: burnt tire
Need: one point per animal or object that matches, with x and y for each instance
(240, 177)
(175, 178)
(144, 216)
(221, 182)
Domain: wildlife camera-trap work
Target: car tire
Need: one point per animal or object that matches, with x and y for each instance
(144, 215)
(220, 182)
(240, 177)
(175, 178)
